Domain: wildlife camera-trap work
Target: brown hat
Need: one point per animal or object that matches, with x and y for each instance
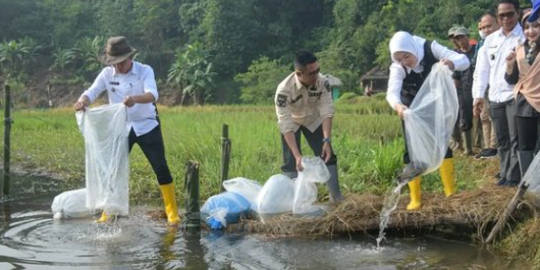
(116, 51)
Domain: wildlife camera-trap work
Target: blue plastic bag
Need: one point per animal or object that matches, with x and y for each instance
(223, 209)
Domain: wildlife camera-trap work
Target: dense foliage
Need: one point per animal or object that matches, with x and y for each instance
(350, 37)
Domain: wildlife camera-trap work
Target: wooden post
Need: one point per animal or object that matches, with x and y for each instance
(507, 212)
(191, 185)
(49, 94)
(7, 131)
(225, 154)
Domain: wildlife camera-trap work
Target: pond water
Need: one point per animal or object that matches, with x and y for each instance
(31, 239)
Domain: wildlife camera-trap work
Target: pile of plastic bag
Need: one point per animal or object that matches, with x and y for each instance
(280, 194)
(430, 120)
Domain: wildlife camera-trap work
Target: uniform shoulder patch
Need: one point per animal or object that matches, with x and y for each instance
(327, 85)
(281, 100)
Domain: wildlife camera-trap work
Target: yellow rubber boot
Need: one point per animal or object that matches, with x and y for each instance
(103, 218)
(169, 199)
(447, 176)
(415, 193)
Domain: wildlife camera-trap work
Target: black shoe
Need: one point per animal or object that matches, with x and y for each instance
(501, 182)
(479, 155)
(489, 153)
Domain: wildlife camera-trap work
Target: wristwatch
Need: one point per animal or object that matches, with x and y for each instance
(326, 140)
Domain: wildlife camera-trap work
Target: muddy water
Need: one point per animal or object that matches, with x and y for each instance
(31, 239)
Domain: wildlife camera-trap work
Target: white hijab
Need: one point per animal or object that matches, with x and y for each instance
(405, 42)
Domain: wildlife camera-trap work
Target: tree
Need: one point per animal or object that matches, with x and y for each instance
(193, 73)
(13, 55)
(87, 51)
(68, 21)
(259, 83)
(62, 58)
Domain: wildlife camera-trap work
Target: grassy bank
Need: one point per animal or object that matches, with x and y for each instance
(367, 139)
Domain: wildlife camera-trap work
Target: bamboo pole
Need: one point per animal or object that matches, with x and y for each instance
(7, 133)
(507, 212)
(225, 154)
(49, 94)
(191, 185)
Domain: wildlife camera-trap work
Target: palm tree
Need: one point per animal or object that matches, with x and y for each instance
(62, 58)
(87, 51)
(200, 83)
(12, 56)
(193, 73)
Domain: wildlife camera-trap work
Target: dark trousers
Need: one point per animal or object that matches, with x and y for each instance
(152, 146)
(407, 159)
(315, 142)
(465, 110)
(527, 132)
(503, 119)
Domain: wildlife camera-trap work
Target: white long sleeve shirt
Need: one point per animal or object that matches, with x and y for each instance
(397, 72)
(491, 65)
(138, 81)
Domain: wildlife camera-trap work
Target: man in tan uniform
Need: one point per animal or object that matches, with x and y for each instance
(304, 105)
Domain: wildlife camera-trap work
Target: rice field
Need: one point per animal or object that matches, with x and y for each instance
(366, 138)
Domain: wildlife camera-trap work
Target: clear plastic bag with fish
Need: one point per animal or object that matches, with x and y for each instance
(106, 152)
(430, 120)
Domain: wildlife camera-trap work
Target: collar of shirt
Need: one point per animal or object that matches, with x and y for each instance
(515, 32)
(298, 84)
(134, 69)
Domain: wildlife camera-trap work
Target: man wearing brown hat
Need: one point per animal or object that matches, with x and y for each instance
(133, 84)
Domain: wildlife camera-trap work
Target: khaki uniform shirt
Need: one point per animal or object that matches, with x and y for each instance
(298, 106)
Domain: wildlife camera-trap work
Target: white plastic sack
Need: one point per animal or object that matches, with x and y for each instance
(248, 189)
(276, 196)
(107, 168)
(70, 204)
(430, 119)
(532, 176)
(305, 195)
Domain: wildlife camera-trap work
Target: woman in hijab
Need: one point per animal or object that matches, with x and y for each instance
(412, 59)
(523, 69)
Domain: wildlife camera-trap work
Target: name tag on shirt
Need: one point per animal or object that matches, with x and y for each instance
(114, 83)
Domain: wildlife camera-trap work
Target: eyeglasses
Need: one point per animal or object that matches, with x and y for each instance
(506, 15)
(313, 73)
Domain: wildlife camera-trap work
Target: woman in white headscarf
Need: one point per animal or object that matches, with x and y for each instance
(412, 59)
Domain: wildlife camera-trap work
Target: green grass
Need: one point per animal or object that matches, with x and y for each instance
(368, 143)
